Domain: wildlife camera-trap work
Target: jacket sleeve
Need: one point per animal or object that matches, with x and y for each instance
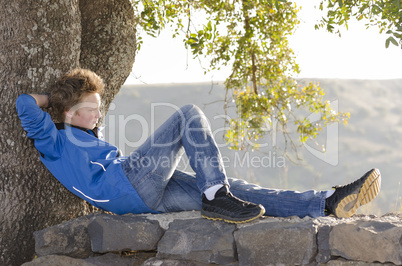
(39, 126)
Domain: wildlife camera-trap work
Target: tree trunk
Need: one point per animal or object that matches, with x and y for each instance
(108, 42)
(41, 40)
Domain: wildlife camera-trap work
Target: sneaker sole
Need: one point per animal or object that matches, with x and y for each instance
(210, 216)
(370, 189)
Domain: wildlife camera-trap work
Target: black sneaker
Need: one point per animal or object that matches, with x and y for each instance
(346, 199)
(230, 209)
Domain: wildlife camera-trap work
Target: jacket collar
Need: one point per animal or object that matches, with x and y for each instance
(94, 131)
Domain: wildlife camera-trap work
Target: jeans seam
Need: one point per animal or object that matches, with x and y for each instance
(160, 135)
(148, 150)
(322, 203)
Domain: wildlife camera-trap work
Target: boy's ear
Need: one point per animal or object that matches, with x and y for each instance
(69, 114)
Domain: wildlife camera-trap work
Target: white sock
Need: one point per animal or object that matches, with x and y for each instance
(329, 193)
(211, 191)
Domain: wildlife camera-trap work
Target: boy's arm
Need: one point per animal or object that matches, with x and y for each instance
(38, 124)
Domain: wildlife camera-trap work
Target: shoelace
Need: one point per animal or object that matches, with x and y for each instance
(232, 203)
(346, 189)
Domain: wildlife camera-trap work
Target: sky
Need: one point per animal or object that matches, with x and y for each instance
(358, 54)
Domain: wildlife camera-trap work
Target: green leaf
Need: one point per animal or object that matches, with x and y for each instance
(394, 42)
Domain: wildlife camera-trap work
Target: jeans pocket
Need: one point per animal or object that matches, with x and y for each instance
(150, 188)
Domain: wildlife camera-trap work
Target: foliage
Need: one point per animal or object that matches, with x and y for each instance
(386, 15)
(251, 37)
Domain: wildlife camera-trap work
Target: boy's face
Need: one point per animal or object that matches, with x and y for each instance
(85, 114)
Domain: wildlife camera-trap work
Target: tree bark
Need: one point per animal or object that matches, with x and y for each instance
(108, 42)
(41, 40)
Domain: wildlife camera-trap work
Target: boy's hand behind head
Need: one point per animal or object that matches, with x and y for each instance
(42, 100)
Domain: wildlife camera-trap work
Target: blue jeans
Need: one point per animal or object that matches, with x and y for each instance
(151, 170)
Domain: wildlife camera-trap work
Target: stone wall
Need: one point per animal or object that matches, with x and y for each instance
(187, 239)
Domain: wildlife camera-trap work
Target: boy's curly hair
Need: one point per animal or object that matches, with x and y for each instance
(70, 88)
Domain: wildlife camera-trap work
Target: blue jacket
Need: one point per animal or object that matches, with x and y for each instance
(87, 166)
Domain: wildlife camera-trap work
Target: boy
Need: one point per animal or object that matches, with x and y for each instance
(95, 171)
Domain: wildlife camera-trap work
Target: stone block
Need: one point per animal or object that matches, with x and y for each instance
(324, 252)
(58, 260)
(168, 262)
(369, 241)
(164, 219)
(112, 259)
(113, 233)
(341, 262)
(198, 240)
(69, 238)
(273, 243)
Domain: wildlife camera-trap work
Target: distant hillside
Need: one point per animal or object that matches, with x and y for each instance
(371, 139)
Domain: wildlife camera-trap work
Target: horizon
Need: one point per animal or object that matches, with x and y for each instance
(215, 82)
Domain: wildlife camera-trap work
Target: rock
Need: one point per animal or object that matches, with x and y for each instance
(56, 260)
(111, 259)
(324, 225)
(69, 238)
(371, 241)
(282, 242)
(167, 262)
(324, 252)
(198, 240)
(113, 233)
(341, 262)
(165, 219)
(187, 239)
